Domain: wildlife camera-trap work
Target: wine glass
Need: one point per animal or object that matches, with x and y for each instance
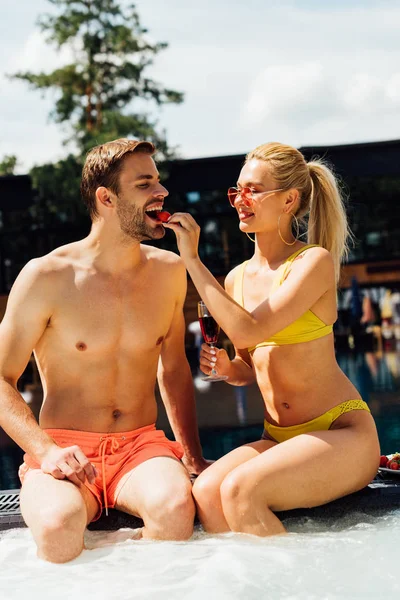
(210, 330)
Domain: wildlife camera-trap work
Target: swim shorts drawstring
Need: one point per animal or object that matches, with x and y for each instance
(102, 452)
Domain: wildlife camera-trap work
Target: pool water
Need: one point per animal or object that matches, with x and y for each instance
(229, 417)
(330, 559)
(353, 558)
(375, 375)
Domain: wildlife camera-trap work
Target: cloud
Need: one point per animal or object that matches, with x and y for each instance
(369, 93)
(280, 90)
(299, 71)
(35, 55)
(304, 97)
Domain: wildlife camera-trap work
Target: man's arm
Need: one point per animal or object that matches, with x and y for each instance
(29, 309)
(176, 384)
(26, 317)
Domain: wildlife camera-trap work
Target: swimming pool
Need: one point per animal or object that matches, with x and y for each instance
(353, 558)
(229, 416)
(350, 557)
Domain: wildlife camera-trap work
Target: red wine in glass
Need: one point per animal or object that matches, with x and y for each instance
(210, 330)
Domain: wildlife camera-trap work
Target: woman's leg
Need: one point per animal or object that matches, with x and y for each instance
(206, 488)
(308, 470)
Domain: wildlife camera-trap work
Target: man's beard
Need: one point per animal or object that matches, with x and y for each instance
(133, 224)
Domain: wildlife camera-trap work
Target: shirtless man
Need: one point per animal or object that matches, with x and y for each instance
(104, 318)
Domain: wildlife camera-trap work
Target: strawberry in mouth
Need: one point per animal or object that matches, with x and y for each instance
(156, 213)
(164, 216)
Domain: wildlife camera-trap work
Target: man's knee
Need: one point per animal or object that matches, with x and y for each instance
(169, 513)
(59, 533)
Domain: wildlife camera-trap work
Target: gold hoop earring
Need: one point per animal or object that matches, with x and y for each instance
(297, 227)
(250, 238)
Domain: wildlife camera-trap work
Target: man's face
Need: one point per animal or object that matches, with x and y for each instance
(141, 198)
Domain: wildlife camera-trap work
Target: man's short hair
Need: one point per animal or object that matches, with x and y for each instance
(103, 166)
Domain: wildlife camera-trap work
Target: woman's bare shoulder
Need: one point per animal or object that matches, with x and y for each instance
(230, 278)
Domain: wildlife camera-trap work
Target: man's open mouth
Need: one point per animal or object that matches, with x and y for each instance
(156, 213)
(153, 212)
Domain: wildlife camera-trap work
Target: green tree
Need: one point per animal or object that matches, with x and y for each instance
(96, 92)
(8, 164)
(58, 199)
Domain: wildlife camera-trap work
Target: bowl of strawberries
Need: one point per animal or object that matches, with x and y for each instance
(390, 463)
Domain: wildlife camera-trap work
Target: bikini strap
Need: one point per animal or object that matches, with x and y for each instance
(239, 275)
(288, 262)
(238, 283)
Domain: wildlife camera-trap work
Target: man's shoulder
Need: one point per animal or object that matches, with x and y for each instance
(166, 257)
(51, 265)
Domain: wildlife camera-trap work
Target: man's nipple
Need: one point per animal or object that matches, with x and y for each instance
(81, 346)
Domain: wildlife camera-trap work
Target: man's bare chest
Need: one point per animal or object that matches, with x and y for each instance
(102, 319)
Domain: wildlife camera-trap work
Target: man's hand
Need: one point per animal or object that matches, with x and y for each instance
(196, 466)
(68, 463)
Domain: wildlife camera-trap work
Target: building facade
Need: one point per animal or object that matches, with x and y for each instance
(369, 174)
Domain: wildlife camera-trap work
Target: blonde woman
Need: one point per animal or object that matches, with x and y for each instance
(278, 309)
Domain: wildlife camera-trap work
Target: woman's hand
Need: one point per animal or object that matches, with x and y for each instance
(187, 234)
(214, 358)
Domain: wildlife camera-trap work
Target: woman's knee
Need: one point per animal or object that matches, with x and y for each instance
(206, 488)
(237, 493)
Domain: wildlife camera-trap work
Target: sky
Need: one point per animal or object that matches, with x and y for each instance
(301, 72)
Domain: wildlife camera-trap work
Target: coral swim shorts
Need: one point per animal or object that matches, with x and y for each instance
(113, 455)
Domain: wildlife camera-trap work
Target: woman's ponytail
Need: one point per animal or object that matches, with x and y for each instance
(327, 222)
(320, 197)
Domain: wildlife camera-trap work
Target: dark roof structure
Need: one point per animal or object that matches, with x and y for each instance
(363, 159)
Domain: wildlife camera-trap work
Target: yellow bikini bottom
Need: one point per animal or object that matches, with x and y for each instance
(322, 423)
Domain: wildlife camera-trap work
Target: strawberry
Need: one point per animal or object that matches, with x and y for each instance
(393, 464)
(163, 216)
(383, 461)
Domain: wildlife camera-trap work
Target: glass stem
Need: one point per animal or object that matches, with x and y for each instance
(213, 370)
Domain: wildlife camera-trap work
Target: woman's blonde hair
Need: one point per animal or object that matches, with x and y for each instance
(320, 196)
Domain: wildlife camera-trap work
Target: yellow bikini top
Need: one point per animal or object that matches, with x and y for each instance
(308, 327)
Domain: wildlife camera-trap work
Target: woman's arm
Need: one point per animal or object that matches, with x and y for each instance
(309, 280)
(239, 370)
